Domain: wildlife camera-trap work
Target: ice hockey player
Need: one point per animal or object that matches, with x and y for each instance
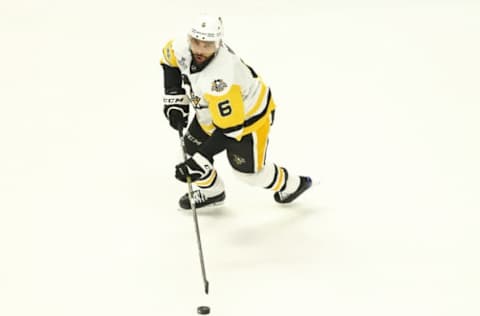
(234, 111)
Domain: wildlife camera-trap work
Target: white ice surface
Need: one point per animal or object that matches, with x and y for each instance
(379, 101)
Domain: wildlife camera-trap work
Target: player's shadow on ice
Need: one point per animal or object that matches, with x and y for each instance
(284, 220)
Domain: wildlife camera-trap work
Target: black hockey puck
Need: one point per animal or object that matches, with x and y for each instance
(203, 310)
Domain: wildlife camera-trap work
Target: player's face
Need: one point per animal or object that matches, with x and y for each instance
(202, 50)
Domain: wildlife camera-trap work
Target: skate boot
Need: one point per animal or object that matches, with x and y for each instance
(283, 197)
(201, 200)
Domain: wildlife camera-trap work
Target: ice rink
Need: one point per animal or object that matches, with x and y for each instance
(378, 100)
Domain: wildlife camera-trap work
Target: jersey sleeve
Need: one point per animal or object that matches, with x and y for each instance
(172, 78)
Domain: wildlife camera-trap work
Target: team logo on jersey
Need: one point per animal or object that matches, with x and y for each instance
(218, 85)
(195, 100)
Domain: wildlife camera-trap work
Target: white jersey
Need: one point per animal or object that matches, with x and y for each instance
(227, 94)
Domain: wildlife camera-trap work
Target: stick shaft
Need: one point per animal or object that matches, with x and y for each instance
(195, 217)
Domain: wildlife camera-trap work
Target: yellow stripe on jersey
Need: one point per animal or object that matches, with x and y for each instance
(260, 99)
(265, 119)
(227, 110)
(169, 55)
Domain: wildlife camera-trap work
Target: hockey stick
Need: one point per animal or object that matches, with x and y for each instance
(195, 217)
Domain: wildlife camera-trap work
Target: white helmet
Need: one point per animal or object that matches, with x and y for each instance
(207, 28)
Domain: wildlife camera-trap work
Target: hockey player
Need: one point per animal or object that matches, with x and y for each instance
(234, 110)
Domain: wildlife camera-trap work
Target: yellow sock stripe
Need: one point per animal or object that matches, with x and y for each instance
(208, 181)
(279, 184)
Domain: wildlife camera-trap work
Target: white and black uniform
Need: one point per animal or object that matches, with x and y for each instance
(233, 111)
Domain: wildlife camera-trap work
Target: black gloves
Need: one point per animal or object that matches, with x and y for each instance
(197, 167)
(175, 108)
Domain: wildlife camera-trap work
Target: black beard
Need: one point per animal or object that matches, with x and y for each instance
(196, 67)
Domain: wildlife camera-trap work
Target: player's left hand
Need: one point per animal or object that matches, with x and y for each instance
(197, 167)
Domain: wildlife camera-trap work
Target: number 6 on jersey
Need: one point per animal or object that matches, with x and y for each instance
(224, 108)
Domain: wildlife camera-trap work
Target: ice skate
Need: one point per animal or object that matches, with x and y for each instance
(283, 197)
(201, 199)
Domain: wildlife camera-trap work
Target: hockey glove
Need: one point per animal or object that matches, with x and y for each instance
(198, 167)
(175, 108)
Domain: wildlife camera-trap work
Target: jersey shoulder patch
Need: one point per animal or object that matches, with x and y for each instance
(169, 57)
